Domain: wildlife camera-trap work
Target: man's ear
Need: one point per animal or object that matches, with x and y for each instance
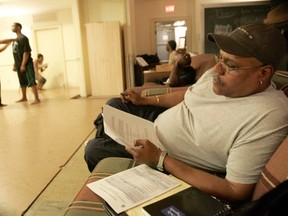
(267, 71)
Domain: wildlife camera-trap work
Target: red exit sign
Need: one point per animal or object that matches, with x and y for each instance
(169, 8)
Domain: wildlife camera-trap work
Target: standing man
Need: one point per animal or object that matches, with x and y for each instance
(23, 64)
(7, 42)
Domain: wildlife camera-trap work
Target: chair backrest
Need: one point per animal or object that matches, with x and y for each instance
(285, 89)
(202, 62)
(275, 171)
(280, 78)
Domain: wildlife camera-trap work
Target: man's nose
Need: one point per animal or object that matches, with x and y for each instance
(219, 69)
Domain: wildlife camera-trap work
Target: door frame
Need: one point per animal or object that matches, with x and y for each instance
(189, 32)
(58, 28)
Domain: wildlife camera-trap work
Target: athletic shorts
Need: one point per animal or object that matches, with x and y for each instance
(42, 80)
(28, 77)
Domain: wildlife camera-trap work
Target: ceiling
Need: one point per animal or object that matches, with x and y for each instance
(24, 7)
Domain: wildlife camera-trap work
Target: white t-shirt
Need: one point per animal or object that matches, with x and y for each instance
(218, 133)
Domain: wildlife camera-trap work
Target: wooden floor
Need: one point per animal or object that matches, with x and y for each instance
(41, 150)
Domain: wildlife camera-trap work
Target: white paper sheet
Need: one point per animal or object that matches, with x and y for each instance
(125, 128)
(132, 187)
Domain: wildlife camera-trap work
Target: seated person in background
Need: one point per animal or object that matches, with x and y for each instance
(39, 67)
(171, 48)
(230, 121)
(182, 72)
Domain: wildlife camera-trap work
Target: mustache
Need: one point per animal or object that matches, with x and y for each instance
(217, 80)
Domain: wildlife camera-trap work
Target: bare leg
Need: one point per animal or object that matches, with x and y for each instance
(40, 85)
(24, 96)
(35, 92)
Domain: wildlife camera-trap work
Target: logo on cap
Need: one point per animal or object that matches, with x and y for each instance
(247, 33)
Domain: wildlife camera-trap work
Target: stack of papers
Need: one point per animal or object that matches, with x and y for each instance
(132, 187)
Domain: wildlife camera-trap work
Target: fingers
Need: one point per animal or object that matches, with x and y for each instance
(129, 96)
(186, 59)
(135, 151)
(137, 146)
(144, 151)
(125, 97)
(181, 50)
(187, 56)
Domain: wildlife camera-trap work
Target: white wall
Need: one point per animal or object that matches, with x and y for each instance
(147, 11)
(142, 12)
(105, 11)
(9, 80)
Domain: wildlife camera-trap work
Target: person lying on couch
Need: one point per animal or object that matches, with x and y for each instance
(230, 121)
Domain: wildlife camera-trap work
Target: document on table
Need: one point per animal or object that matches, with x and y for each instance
(141, 62)
(126, 128)
(127, 189)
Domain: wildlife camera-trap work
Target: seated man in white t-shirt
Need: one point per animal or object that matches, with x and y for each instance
(231, 121)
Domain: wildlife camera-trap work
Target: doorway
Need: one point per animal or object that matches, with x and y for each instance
(50, 44)
(166, 31)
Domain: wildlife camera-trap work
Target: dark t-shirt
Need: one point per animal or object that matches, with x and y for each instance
(19, 47)
(187, 76)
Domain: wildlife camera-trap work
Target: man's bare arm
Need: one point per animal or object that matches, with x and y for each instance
(7, 41)
(209, 183)
(24, 61)
(165, 100)
(212, 184)
(4, 47)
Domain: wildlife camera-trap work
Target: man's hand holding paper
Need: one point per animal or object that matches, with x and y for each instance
(147, 152)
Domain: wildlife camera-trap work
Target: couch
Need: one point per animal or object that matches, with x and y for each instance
(200, 63)
(280, 79)
(87, 203)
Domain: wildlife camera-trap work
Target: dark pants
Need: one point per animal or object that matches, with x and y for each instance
(102, 146)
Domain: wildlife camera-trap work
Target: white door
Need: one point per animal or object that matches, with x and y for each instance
(105, 58)
(50, 44)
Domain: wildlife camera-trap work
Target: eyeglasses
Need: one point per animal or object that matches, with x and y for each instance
(230, 69)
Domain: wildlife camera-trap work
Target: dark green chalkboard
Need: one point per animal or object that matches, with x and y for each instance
(225, 19)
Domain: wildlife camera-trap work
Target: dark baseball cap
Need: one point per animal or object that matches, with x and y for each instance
(261, 41)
